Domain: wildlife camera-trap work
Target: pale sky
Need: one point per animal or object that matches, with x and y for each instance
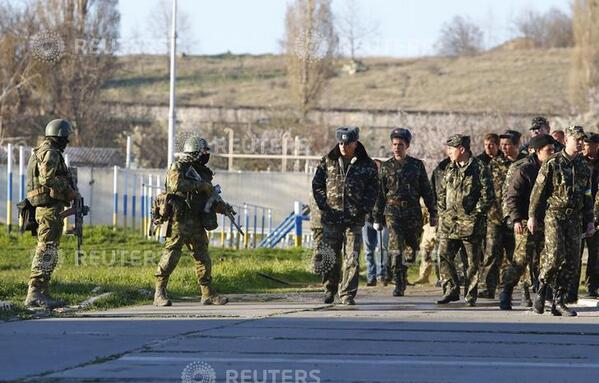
(406, 28)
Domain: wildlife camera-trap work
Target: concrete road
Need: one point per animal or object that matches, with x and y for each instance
(297, 339)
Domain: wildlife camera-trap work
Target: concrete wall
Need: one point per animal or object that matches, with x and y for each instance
(274, 190)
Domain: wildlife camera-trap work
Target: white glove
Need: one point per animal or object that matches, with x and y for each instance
(377, 226)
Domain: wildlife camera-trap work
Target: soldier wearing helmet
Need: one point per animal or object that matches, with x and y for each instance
(189, 186)
(403, 182)
(49, 190)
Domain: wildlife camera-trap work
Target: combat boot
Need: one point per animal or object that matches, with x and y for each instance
(400, 284)
(35, 299)
(160, 297)
(215, 300)
(539, 303)
(348, 301)
(329, 297)
(505, 298)
(525, 301)
(592, 292)
(559, 307)
(449, 297)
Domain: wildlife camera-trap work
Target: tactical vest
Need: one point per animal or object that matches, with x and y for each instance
(38, 194)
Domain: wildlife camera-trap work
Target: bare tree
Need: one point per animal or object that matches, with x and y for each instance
(70, 86)
(159, 26)
(310, 43)
(552, 29)
(355, 29)
(585, 60)
(460, 37)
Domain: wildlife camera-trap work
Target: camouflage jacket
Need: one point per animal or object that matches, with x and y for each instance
(594, 167)
(345, 197)
(563, 187)
(465, 195)
(498, 167)
(518, 186)
(47, 176)
(403, 183)
(180, 181)
(438, 175)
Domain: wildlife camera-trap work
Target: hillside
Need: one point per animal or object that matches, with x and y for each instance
(518, 81)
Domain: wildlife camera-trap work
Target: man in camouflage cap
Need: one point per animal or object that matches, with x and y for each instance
(345, 188)
(500, 238)
(189, 183)
(465, 195)
(403, 182)
(49, 190)
(516, 198)
(562, 197)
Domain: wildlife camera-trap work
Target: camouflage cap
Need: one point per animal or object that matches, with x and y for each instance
(575, 131)
(402, 134)
(347, 134)
(539, 122)
(511, 134)
(542, 140)
(459, 140)
(592, 138)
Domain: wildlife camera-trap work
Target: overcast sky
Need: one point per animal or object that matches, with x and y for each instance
(406, 28)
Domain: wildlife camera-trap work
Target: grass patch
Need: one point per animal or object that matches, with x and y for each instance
(123, 262)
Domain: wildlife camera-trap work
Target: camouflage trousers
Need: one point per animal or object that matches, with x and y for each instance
(193, 236)
(448, 249)
(400, 239)
(45, 258)
(592, 274)
(499, 252)
(526, 254)
(561, 254)
(346, 243)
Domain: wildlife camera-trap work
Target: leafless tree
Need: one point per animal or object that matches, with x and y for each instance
(585, 60)
(552, 29)
(460, 37)
(159, 26)
(355, 29)
(310, 43)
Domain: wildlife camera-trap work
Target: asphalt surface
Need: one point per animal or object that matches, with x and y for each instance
(296, 338)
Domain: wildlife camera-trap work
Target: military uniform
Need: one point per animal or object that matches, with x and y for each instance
(562, 194)
(50, 191)
(189, 195)
(345, 192)
(403, 183)
(500, 241)
(528, 246)
(465, 195)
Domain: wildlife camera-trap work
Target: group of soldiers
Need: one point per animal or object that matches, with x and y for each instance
(188, 188)
(508, 211)
(512, 215)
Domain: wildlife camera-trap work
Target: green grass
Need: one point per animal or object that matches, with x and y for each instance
(123, 262)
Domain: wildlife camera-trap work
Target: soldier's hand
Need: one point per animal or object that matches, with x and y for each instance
(518, 229)
(433, 221)
(532, 225)
(378, 226)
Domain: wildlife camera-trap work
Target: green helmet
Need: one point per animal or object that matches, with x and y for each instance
(196, 144)
(58, 128)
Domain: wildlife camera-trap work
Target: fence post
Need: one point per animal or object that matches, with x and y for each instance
(133, 198)
(297, 209)
(21, 177)
(9, 188)
(246, 222)
(231, 134)
(142, 215)
(115, 192)
(222, 230)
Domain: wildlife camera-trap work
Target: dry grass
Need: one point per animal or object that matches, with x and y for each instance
(521, 81)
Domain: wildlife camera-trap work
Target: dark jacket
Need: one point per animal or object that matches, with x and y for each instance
(345, 197)
(521, 182)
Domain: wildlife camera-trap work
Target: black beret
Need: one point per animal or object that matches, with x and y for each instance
(542, 140)
(592, 138)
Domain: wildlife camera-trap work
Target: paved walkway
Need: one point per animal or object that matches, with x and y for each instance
(298, 339)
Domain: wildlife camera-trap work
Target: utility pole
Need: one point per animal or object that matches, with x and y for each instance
(171, 112)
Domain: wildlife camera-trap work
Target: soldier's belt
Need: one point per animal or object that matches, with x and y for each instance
(42, 190)
(399, 203)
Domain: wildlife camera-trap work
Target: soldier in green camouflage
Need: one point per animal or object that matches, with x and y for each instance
(562, 195)
(345, 188)
(465, 194)
(189, 183)
(500, 238)
(49, 191)
(403, 182)
(491, 145)
(516, 197)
